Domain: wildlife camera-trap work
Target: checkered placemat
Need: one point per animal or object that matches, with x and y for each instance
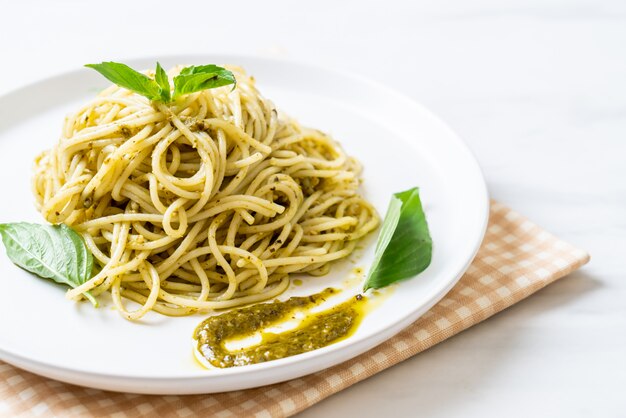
(516, 259)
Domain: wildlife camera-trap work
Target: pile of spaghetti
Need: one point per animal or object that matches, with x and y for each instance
(206, 203)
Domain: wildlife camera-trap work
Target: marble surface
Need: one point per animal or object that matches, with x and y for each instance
(537, 88)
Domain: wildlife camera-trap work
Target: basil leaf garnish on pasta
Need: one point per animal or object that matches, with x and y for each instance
(160, 76)
(203, 77)
(190, 80)
(404, 246)
(124, 76)
(54, 252)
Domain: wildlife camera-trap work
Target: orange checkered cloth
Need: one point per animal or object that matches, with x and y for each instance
(516, 259)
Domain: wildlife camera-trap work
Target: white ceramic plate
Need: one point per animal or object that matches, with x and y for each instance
(400, 144)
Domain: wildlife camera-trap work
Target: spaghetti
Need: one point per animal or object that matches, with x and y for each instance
(207, 203)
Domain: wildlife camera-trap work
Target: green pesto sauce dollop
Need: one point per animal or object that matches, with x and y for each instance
(315, 331)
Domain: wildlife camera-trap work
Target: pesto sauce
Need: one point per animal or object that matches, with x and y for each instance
(315, 331)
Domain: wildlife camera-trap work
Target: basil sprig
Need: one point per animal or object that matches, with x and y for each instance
(404, 246)
(190, 80)
(54, 252)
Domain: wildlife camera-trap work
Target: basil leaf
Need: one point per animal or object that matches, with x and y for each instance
(124, 76)
(197, 78)
(54, 252)
(160, 77)
(404, 246)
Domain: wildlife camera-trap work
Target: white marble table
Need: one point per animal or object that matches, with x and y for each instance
(537, 88)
